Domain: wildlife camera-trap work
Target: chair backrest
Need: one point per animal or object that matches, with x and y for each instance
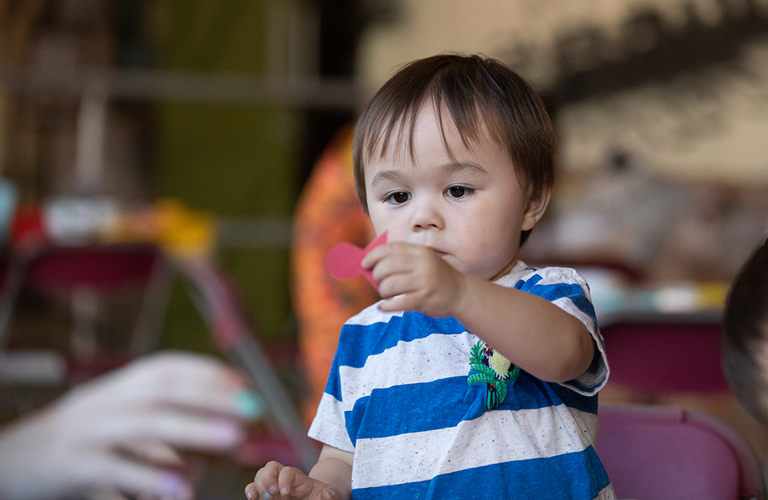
(654, 452)
(98, 267)
(100, 270)
(666, 353)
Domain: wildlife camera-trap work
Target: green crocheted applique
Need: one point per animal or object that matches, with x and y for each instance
(491, 368)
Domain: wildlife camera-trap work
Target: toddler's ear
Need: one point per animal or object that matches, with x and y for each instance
(536, 208)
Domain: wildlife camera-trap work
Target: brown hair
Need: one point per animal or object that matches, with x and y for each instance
(476, 91)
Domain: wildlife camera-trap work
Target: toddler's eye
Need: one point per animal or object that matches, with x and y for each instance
(398, 197)
(458, 191)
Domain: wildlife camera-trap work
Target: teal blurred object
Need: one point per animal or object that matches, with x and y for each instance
(9, 197)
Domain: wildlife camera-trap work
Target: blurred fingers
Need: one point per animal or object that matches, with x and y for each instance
(153, 452)
(133, 478)
(196, 382)
(175, 428)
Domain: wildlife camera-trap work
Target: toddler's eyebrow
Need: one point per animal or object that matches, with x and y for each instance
(386, 175)
(396, 176)
(459, 166)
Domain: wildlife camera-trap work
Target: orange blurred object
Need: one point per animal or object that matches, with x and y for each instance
(327, 213)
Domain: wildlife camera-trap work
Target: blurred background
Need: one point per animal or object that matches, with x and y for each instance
(222, 108)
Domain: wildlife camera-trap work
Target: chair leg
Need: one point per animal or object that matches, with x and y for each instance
(13, 283)
(249, 355)
(149, 325)
(85, 308)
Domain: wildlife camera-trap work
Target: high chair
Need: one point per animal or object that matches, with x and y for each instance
(654, 452)
(665, 353)
(85, 275)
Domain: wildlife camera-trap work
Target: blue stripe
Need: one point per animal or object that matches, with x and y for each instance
(533, 280)
(447, 402)
(333, 385)
(575, 476)
(528, 393)
(428, 406)
(585, 306)
(554, 291)
(357, 342)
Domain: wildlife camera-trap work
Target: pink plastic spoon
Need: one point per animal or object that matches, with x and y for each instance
(343, 261)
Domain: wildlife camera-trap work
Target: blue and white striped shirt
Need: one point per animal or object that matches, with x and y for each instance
(398, 397)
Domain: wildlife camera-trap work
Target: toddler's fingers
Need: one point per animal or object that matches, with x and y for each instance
(293, 483)
(394, 304)
(398, 284)
(371, 258)
(265, 484)
(330, 494)
(252, 492)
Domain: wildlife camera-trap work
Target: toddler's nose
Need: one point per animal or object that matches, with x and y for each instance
(427, 216)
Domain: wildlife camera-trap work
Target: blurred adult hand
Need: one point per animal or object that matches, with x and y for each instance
(124, 430)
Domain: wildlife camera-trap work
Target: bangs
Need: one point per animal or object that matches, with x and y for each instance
(395, 130)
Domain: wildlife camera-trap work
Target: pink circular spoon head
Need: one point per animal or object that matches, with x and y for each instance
(343, 261)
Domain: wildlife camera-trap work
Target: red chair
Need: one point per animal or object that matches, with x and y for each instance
(665, 353)
(653, 452)
(117, 269)
(90, 273)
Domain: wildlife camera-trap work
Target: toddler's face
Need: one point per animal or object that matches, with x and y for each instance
(470, 211)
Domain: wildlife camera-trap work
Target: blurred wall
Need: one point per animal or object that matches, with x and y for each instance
(683, 83)
(87, 108)
(232, 159)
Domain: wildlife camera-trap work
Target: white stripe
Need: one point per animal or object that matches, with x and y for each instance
(495, 437)
(606, 493)
(518, 272)
(561, 275)
(329, 425)
(392, 367)
(371, 315)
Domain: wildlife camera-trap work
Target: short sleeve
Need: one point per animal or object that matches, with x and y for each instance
(329, 425)
(570, 292)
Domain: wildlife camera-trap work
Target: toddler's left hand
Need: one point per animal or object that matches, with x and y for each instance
(414, 277)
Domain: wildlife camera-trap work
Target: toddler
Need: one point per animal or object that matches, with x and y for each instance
(475, 375)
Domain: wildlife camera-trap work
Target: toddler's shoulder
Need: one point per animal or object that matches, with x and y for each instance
(523, 275)
(555, 274)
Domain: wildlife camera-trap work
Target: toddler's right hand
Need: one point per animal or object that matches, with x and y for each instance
(275, 481)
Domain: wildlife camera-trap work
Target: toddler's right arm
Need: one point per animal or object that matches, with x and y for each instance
(330, 479)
